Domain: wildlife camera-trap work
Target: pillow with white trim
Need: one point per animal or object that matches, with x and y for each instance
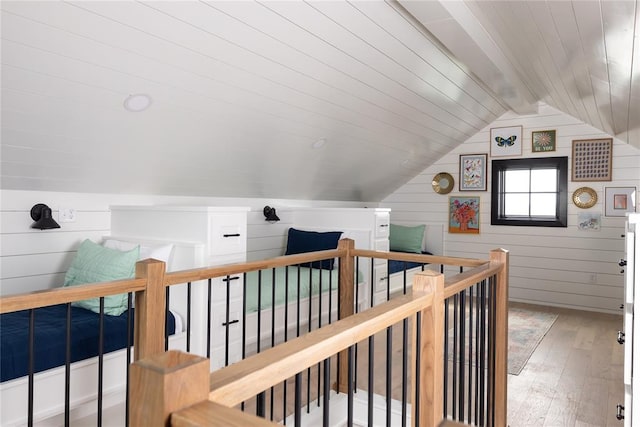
(94, 263)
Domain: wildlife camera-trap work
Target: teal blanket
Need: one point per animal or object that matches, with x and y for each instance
(310, 280)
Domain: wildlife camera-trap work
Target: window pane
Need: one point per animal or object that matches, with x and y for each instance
(543, 204)
(516, 204)
(516, 181)
(544, 180)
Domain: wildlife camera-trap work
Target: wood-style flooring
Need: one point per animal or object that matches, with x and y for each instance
(574, 377)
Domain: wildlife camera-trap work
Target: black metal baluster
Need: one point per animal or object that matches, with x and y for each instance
(100, 359)
(405, 356)
(31, 345)
(286, 338)
(310, 307)
(67, 367)
(209, 314)
(128, 362)
(446, 359)
(227, 319)
(471, 360)
(370, 382)
(350, 386)
(454, 365)
(298, 401)
(189, 317)
(417, 385)
(244, 323)
(461, 364)
(320, 320)
(388, 390)
(273, 329)
(325, 393)
(479, 355)
(483, 332)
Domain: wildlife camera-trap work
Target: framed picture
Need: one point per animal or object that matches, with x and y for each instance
(464, 215)
(506, 141)
(473, 172)
(543, 141)
(588, 221)
(619, 200)
(592, 159)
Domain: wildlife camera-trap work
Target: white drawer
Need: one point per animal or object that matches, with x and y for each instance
(382, 225)
(381, 278)
(228, 234)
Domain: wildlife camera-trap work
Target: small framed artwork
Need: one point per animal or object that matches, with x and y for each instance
(588, 221)
(464, 215)
(619, 200)
(543, 141)
(592, 159)
(506, 141)
(473, 172)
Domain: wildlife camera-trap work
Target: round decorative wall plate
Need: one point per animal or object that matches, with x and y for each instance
(584, 197)
(442, 183)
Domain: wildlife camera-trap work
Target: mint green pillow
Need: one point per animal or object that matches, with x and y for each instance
(94, 263)
(406, 239)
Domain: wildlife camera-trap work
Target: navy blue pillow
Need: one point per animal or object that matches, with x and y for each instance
(300, 241)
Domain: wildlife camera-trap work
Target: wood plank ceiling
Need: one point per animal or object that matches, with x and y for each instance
(241, 91)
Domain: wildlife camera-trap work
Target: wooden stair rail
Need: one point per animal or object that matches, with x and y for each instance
(239, 382)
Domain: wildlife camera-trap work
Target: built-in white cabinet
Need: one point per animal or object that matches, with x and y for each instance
(222, 232)
(630, 337)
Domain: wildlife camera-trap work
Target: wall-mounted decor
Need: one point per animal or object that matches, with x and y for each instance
(585, 197)
(506, 141)
(473, 172)
(442, 183)
(619, 200)
(589, 221)
(464, 215)
(543, 141)
(592, 159)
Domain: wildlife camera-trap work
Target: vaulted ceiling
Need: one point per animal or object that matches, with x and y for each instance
(242, 91)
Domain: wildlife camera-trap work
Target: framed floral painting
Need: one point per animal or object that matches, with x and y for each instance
(464, 215)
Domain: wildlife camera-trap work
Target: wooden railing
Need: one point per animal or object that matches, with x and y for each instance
(202, 400)
(212, 400)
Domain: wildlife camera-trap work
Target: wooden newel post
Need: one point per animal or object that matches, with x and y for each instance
(501, 256)
(346, 304)
(166, 383)
(148, 338)
(429, 374)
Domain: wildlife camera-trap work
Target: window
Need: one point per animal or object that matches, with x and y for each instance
(529, 192)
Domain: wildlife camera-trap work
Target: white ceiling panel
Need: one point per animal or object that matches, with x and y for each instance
(241, 90)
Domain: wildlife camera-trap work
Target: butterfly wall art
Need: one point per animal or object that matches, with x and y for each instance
(506, 141)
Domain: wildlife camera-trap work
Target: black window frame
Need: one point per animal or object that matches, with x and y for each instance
(498, 169)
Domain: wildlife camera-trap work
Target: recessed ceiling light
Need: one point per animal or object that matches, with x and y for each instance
(137, 102)
(319, 143)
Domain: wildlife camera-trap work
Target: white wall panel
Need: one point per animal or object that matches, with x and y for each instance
(553, 266)
(32, 259)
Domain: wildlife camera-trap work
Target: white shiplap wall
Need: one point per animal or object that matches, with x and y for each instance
(32, 259)
(554, 266)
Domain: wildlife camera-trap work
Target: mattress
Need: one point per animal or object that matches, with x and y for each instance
(50, 338)
(312, 281)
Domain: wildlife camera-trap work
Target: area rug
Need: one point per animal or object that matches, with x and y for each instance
(527, 328)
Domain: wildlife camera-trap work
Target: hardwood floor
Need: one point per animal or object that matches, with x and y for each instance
(574, 377)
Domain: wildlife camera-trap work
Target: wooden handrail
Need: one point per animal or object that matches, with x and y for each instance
(431, 259)
(194, 275)
(38, 299)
